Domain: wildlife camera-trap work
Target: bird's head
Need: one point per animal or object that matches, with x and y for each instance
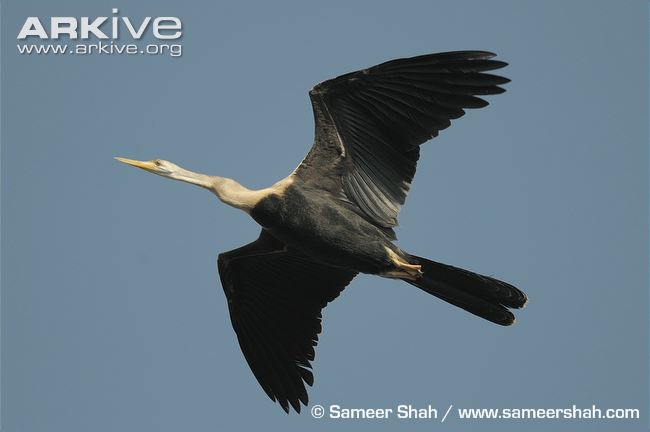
(227, 190)
(171, 170)
(157, 166)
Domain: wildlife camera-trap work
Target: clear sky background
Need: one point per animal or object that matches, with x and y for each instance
(113, 318)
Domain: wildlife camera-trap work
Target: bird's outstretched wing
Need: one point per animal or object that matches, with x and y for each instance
(275, 296)
(370, 123)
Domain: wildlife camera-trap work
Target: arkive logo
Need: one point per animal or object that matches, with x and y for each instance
(163, 27)
(106, 30)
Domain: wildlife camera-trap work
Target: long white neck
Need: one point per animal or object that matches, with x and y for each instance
(236, 195)
(229, 191)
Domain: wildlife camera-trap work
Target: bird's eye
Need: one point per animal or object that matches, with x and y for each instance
(157, 162)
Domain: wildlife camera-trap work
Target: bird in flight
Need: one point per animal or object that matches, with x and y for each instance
(333, 216)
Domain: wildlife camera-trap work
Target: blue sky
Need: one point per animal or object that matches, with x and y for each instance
(112, 314)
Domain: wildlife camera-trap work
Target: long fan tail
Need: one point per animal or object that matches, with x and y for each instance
(483, 296)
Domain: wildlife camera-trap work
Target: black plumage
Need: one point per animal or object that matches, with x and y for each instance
(369, 125)
(275, 297)
(382, 114)
(333, 217)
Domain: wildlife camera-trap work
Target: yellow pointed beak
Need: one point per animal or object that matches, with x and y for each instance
(145, 165)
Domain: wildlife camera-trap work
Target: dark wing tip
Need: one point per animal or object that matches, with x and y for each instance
(496, 64)
(295, 403)
(295, 399)
(469, 61)
(503, 317)
(521, 301)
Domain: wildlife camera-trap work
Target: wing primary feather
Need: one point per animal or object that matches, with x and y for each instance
(275, 296)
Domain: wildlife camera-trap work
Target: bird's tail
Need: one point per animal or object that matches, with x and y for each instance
(481, 295)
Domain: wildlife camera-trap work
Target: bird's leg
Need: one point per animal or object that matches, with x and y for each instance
(403, 269)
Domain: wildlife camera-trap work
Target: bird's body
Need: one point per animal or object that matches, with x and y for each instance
(333, 234)
(333, 216)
